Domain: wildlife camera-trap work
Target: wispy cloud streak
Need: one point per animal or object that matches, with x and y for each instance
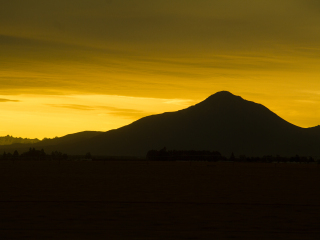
(119, 112)
(8, 100)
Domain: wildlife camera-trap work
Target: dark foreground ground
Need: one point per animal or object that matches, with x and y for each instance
(159, 200)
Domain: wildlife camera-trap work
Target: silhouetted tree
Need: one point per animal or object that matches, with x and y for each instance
(88, 156)
(15, 154)
(242, 158)
(4, 155)
(34, 154)
(190, 155)
(9, 155)
(311, 160)
(232, 158)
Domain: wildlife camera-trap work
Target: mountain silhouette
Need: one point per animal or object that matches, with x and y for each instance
(54, 143)
(222, 122)
(69, 139)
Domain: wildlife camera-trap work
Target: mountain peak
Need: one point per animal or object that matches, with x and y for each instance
(224, 93)
(223, 96)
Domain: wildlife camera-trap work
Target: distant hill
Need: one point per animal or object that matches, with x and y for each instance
(68, 139)
(223, 122)
(8, 140)
(54, 143)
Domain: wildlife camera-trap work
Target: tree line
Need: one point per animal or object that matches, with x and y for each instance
(213, 156)
(33, 154)
(184, 155)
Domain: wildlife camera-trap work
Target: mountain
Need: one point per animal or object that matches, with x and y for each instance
(69, 139)
(223, 122)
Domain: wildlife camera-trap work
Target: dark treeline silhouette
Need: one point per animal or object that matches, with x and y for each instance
(193, 155)
(184, 155)
(33, 154)
(270, 159)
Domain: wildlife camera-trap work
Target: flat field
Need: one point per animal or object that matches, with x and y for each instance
(158, 200)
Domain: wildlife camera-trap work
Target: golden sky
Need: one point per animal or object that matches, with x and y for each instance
(73, 65)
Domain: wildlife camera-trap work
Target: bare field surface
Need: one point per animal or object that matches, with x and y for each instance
(158, 200)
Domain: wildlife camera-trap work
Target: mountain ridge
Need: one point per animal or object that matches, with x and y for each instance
(222, 122)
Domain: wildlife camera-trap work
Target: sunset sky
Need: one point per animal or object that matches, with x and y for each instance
(73, 65)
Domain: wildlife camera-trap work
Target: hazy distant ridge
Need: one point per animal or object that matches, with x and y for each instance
(8, 140)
